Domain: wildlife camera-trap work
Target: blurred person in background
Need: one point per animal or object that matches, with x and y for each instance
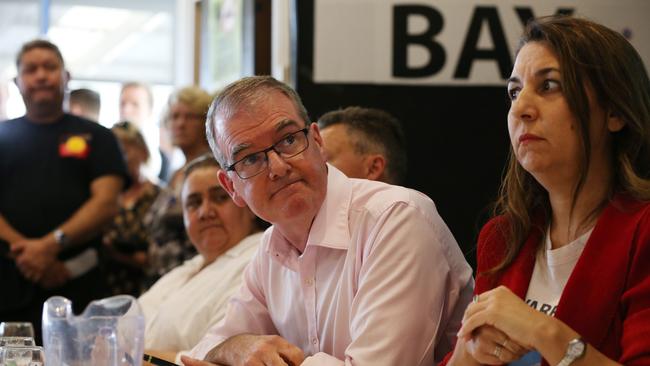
(85, 103)
(365, 143)
(61, 177)
(226, 237)
(4, 96)
(136, 106)
(126, 241)
(185, 120)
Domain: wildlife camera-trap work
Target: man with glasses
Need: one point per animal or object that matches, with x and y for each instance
(352, 271)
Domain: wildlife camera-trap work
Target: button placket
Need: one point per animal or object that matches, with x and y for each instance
(307, 265)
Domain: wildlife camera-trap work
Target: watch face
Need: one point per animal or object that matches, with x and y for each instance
(59, 236)
(576, 348)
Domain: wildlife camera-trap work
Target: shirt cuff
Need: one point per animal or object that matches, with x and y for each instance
(177, 360)
(82, 263)
(322, 358)
(204, 346)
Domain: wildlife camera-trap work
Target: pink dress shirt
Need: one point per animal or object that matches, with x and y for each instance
(382, 281)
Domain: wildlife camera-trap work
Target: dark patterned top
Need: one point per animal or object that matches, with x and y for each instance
(169, 246)
(127, 236)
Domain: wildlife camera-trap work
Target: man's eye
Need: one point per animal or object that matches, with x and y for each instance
(289, 140)
(251, 159)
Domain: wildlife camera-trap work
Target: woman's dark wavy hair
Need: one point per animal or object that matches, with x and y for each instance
(595, 58)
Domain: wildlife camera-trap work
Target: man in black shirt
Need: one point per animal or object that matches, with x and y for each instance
(61, 177)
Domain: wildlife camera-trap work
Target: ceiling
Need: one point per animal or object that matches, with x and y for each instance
(113, 40)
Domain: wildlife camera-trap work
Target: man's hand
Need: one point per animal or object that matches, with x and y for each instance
(34, 256)
(55, 275)
(247, 349)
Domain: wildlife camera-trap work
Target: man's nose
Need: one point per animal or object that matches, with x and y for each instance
(41, 73)
(278, 167)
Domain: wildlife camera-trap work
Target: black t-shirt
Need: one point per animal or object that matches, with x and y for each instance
(46, 171)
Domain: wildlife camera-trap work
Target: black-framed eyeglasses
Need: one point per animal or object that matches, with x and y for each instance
(255, 163)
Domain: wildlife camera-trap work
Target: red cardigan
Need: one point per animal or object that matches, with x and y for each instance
(607, 297)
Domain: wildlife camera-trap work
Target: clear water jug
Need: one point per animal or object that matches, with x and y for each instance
(110, 332)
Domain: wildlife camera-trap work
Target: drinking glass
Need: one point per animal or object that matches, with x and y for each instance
(16, 341)
(22, 356)
(16, 329)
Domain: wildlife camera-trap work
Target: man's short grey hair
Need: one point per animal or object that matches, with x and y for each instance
(373, 131)
(241, 94)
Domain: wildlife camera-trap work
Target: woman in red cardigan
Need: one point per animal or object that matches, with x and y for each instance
(564, 267)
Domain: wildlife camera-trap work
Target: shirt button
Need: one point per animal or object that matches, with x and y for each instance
(314, 341)
(310, 282)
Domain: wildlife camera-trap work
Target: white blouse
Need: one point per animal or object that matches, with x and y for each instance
(181, 306)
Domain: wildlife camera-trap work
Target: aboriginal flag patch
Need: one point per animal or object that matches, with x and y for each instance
(74, 146)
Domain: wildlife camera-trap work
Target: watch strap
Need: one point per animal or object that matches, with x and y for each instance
(574, 351)
(60, 237)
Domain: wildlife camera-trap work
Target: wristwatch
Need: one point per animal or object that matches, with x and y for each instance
(575, 350)
(60, 238)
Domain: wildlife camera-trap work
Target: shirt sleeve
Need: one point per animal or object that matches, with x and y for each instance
(106, 156)
(412, 280)
(635, 340)
(247, 311)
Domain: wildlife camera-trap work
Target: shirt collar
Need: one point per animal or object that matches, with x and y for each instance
(330, 226)
(243, 245)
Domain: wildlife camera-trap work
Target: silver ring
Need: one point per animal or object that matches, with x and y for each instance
(475, 299)
(497, 351)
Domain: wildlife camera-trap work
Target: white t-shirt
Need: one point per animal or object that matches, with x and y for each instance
(552, 270)
(551, 273)
(181, 306)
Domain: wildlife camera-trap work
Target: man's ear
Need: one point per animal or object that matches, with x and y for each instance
(614, 122)
(315, 131)
(227, 184)
(66, 78)
(375, 164)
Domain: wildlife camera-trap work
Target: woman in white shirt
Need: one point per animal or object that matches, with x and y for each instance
(187, 301)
